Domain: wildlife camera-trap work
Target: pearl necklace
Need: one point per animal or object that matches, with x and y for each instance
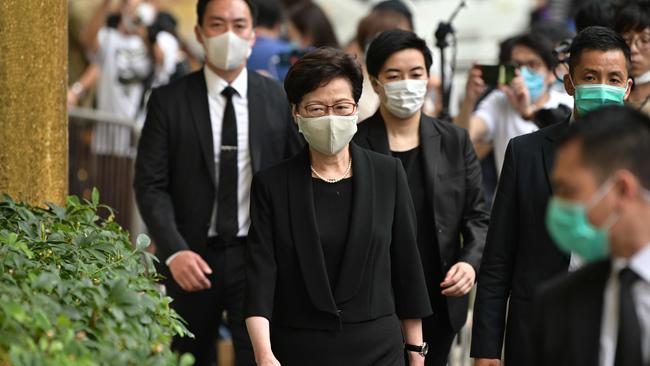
(334, 180)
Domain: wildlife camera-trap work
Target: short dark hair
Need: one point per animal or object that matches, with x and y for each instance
(391, 41)
(595, 13)
(541, 45)
(311, 20)
(269, 13)
(633, 16)
(317, 68)
(201, 5)
(597, 38)
(612, 138)
(395, 5)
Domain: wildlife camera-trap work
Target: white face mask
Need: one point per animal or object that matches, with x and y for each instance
(328, 134)
(226, 51)
(405, 97)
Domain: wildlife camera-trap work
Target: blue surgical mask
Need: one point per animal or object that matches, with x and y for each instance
(571, 230)
(534, 82)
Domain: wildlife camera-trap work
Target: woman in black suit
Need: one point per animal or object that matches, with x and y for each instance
(332, 259)
(443, 175)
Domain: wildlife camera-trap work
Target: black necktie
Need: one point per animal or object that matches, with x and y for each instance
(628, 346)
(227, 203)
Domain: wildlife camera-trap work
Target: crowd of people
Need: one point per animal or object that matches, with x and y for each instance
(306, 188)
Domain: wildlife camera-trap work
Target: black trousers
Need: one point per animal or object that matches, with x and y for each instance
(203, 310)
(439, 335)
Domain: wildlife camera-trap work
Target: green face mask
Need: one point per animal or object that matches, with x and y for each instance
(592, 96)
(570, 229)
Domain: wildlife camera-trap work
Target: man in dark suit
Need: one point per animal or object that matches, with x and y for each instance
(204, 137)
(444, 180)
(519, 255)
(599, 315)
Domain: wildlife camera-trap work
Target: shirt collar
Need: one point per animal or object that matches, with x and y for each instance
(216, 84)
(639, 263)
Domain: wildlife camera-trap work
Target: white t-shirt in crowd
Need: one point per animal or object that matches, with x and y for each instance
(503, 122)
(125, 64)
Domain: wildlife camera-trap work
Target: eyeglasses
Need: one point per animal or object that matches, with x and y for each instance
(339, 109)
(641, 41)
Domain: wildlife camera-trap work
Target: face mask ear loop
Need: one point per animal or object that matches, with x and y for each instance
(600, 194)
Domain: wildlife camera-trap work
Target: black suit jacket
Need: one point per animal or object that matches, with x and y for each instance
(175, 171)
(519, 254)
(567, 318)
(380, 273)
(455, 196)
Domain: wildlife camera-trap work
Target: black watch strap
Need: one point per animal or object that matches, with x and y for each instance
(421, 349)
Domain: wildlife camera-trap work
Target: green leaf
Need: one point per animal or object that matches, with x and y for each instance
(95, 196)
(142, 242)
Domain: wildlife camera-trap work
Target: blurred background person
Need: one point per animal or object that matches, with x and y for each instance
(269, 43)
(519, 255)
(333, 272)
(309, 27)
(599, 315)
(510, 111)
(431, 152)
(368, 28)
(633, 23)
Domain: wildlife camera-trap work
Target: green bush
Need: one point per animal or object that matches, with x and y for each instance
(74, 291)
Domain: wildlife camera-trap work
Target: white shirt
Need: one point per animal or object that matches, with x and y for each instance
(640, 264)
(503, 122)
(217, 105)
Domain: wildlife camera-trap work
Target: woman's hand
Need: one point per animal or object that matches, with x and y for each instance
(268, 361)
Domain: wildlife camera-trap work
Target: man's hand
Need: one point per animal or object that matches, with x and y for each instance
(459, 280)
(189, 270)
(475, 86)
(487, 362)
(519, 96)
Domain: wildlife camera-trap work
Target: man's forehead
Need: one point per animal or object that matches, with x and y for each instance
(598, 59)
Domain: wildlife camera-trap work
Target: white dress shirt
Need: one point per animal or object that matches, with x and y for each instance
(217, 105)
(640, 264)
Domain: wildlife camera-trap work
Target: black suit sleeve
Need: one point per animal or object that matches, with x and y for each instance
(495, 276)
(411, 296)
(475, 219)
(152, 181)
(260, 261)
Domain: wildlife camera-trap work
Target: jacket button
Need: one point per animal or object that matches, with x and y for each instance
(339, 311)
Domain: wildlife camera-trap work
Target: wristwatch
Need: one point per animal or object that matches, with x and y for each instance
(422, 349)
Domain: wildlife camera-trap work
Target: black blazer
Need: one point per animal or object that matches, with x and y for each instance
(380, 274)
(568, 316)
(519, 254)
(175, 171)
(455, 196)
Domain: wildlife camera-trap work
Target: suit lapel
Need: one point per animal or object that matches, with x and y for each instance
(548, 150)
(256, 119)
(305, 234)
(430, 141)
(197, 95)
(361, 223)
(377, 135)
